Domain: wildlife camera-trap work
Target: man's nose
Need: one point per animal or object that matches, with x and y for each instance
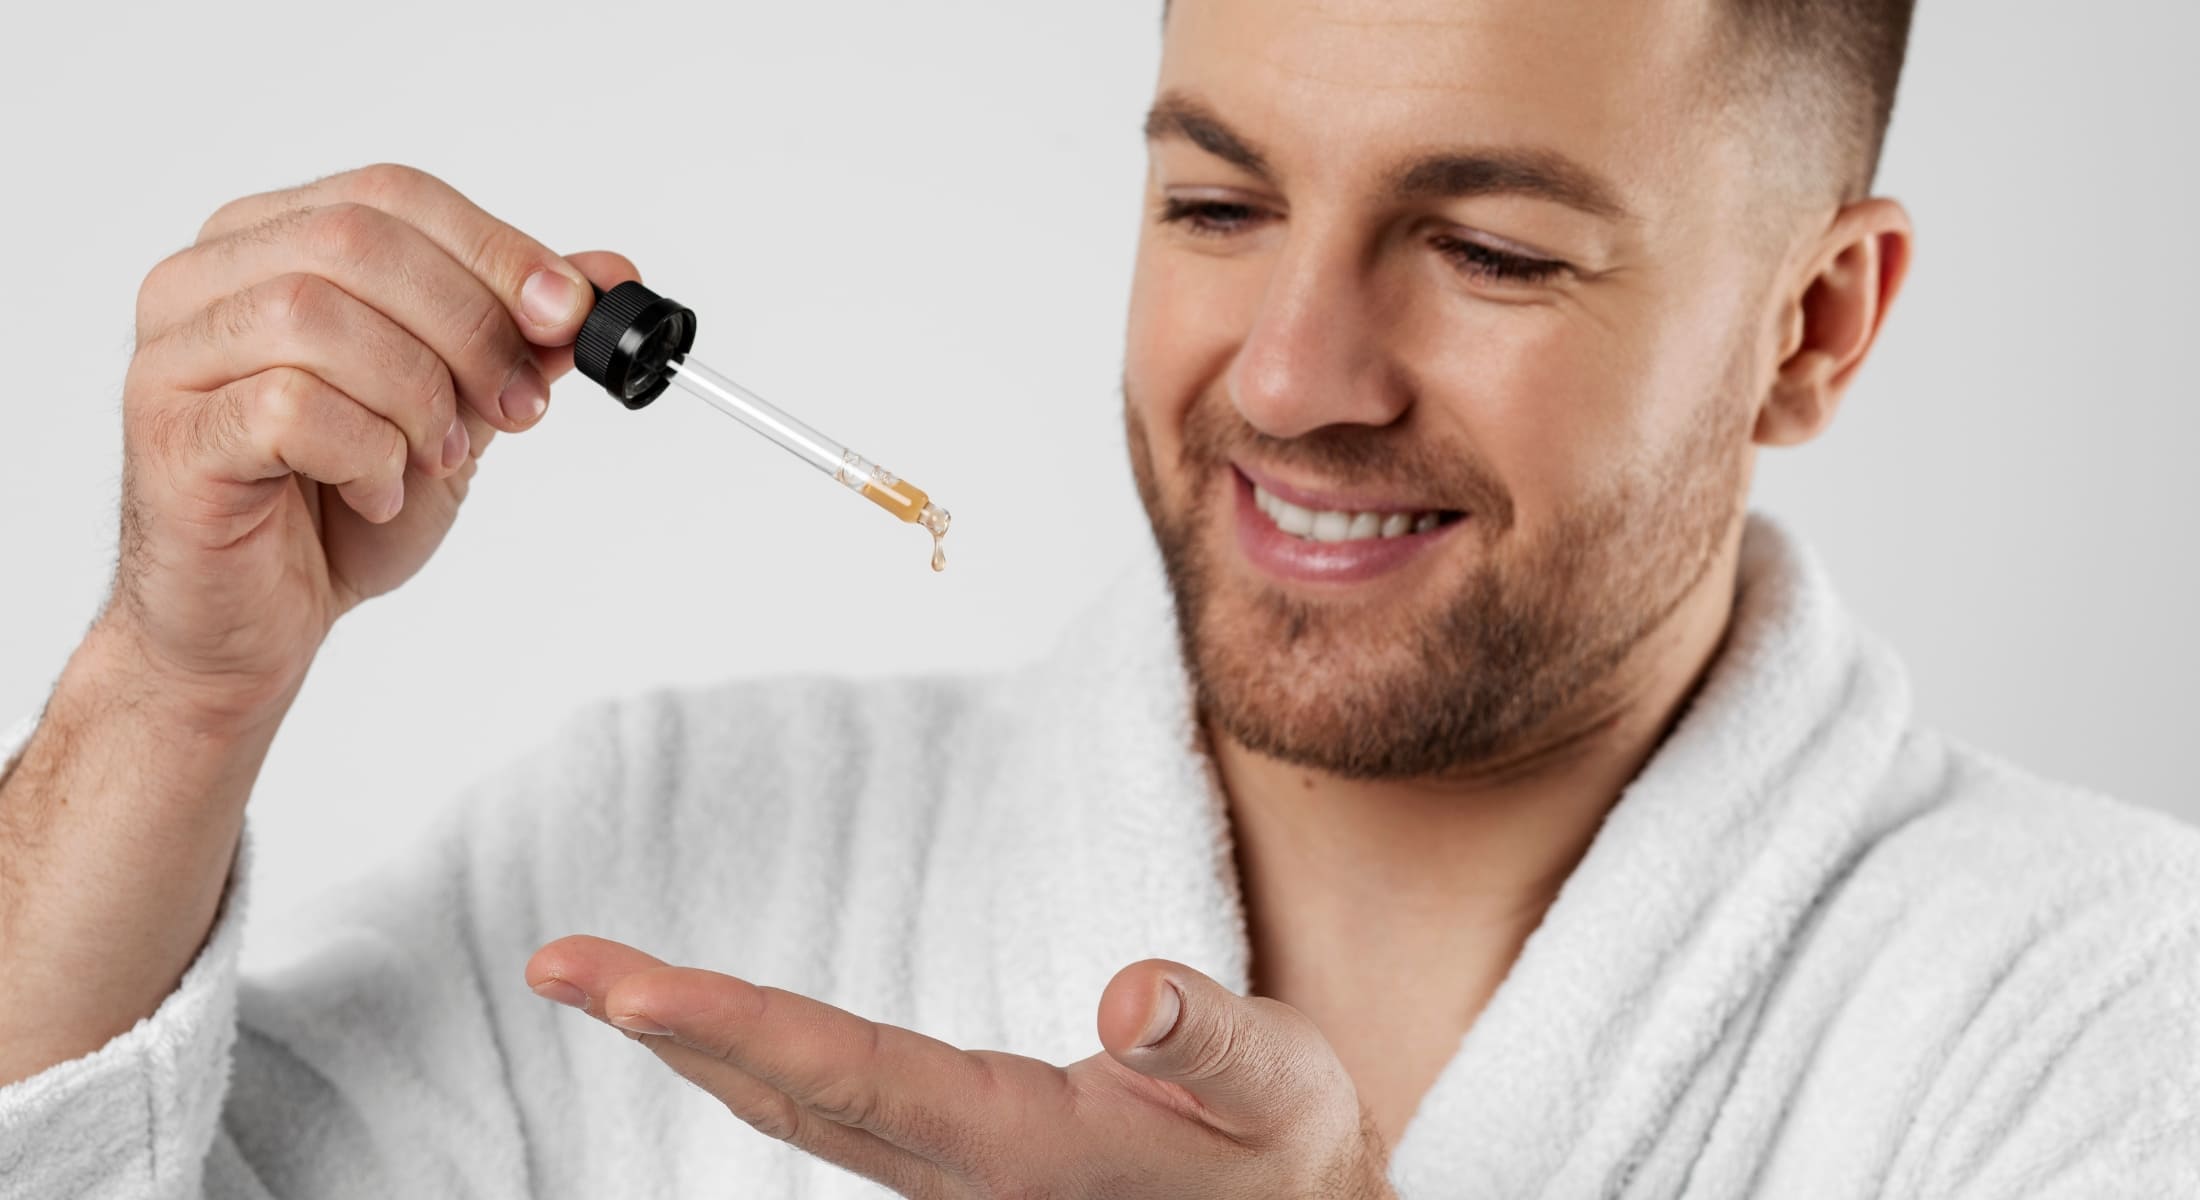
(1315, 354)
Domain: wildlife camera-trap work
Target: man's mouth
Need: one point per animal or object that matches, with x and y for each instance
(1335, 525)
(1293, 533)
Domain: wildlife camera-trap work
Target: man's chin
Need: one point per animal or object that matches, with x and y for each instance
(1318, 689)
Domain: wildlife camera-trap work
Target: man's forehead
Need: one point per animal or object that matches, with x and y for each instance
(1613, 83)
(1477, 46)
(1627, 26)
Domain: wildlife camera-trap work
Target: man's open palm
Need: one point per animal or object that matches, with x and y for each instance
(1199, 1091)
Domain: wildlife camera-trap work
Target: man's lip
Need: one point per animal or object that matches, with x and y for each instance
(1327, 501)
(1283, 556)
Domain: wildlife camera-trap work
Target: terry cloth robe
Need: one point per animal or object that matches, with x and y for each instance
(1811, 952)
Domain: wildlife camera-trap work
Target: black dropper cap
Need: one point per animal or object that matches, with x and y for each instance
(629, 341)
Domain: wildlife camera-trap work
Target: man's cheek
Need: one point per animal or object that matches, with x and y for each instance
(1156, 331)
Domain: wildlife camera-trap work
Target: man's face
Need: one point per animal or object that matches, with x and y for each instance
(1470, 267)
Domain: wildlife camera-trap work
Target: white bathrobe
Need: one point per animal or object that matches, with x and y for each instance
(1812, 952)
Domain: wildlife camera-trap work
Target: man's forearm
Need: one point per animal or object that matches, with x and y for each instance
(117, 828)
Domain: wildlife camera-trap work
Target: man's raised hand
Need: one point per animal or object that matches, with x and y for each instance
(313, 381)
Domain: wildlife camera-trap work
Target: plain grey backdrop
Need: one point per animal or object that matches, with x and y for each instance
(911, 224)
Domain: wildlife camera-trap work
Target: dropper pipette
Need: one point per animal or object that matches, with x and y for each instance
(635, 344)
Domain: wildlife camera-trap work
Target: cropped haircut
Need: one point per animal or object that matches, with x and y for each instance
(1818, 73)
(1827, 71)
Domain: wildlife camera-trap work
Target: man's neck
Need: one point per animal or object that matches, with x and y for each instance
(1390, 910)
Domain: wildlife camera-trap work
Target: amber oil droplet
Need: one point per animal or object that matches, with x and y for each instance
(935, 519)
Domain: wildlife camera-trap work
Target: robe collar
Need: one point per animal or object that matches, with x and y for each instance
(1107, 839)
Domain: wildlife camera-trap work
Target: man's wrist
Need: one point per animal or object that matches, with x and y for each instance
(116, 668)
(122, 729)
(129, 781)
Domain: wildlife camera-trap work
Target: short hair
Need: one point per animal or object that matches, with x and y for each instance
(1828, 66)
(1827, 69)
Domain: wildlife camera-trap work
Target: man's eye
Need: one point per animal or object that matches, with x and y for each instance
(1488, 265)
(1208, 218)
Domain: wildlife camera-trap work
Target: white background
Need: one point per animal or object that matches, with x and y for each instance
(912, 225)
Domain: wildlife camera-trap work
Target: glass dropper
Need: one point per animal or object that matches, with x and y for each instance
(635, 344)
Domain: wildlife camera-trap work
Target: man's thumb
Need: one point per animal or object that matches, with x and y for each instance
(1244, 1058)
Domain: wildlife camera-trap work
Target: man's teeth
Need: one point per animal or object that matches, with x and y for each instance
(1339, 526)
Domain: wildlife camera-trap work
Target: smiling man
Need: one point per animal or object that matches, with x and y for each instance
(1470, 800)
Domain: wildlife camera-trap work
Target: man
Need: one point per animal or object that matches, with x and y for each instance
(1483, 805)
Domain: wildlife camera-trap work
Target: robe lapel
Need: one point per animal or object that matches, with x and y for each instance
(1608, 1048)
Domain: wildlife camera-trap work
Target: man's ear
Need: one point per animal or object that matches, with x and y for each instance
(1830, 324)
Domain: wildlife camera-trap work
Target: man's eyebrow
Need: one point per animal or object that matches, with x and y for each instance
(1543, 174)
(1178, 115)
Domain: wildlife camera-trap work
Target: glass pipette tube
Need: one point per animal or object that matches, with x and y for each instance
(862, 476)
(635, 344)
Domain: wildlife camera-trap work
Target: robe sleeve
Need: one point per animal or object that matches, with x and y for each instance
(368, 1064)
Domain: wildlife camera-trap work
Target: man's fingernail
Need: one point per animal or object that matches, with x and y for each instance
(638, 1023)
(396, 503)
(525, 395)
(562, 992)
(455, 444)
(548, 297)
(1166, 1010)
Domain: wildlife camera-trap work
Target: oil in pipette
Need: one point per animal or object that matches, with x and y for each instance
(903, 499)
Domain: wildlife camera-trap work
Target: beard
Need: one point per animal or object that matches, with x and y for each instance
(1514, 654)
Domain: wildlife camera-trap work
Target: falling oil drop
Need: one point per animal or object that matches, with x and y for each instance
(934, 519)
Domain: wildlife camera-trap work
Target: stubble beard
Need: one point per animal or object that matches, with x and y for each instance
(1523, 648)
